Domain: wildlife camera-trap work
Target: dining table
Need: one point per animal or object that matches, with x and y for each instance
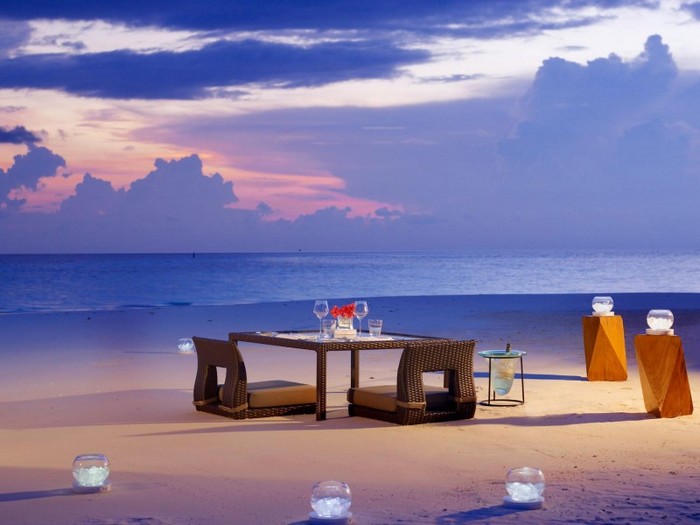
(310, 340)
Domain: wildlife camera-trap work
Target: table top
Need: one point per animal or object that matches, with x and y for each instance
(309, 340)
(501, 354)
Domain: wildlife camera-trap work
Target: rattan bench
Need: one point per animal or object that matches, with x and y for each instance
(409, 401)
(236, 398)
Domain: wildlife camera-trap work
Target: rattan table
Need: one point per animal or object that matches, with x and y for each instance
(308, 340)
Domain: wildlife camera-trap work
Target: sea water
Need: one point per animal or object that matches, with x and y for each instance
(41, 283)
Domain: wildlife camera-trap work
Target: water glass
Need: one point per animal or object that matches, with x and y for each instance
(320, 311)
(361, 311)
(327, 328)
(375, 327)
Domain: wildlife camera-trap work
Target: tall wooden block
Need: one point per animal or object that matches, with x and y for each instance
(663, 375)
(604, 344)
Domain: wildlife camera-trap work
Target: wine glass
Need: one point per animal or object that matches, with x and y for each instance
(361, 311)
(321, 311)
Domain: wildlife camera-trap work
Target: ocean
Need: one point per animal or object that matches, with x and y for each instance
(50, 283)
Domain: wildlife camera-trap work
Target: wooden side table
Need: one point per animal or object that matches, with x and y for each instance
(663, 375)
(604, 344)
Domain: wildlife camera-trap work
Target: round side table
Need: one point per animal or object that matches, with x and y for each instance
(500, 356)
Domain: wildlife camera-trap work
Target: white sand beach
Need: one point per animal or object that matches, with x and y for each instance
(113, 382)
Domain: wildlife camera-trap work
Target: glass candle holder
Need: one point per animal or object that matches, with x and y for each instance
(602, 305)
(331, 502)
(91, 473)
(660, 322)
(525, 487)
(185, 346)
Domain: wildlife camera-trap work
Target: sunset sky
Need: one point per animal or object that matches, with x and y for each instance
(229, 125)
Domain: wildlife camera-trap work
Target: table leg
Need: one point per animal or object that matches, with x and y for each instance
(320, 385)
(354, 368)
(522, 378)
(489, 390)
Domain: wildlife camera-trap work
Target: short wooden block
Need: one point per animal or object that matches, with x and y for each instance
(604, 344)
(663, 375)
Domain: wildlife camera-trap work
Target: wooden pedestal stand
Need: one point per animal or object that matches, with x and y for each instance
(663, 375)
(604, 344)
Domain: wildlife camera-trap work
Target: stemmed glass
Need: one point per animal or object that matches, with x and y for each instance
(321, 311)
(361, 311)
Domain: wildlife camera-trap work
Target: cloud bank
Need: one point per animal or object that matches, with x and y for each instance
(176, 207)
(476, 17)
(194, 74)
(17, 135)
(285, 44)
(604, 154)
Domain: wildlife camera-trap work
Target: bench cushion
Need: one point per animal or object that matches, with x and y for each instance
(384, 397)
(277, 393)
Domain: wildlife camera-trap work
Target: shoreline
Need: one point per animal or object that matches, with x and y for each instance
(112, 382)
(487, 318)
(630, 300)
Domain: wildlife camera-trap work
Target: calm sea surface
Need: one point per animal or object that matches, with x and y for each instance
(38, 283)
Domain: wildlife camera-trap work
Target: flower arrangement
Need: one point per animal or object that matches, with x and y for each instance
(343, 311)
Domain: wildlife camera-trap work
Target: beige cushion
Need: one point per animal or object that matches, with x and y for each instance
(384, 397)
(379, 397)
(279, 393)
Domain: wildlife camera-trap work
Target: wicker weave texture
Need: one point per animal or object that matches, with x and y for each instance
(332, 345)
(213, 353)
(322, 348)
(455, 358)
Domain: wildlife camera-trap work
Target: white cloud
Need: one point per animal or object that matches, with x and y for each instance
(96, 36)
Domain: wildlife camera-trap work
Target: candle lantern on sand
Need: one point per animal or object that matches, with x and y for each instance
(185, 346)
(662, 369)
(331, 502)
(91, 473)
(525, 487)
(604, 342)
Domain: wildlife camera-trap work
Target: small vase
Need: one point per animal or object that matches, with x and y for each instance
(344, 328)
(345, 323)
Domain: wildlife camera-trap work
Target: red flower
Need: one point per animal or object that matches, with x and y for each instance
(343, 311)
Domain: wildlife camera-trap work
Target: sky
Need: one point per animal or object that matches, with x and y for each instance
(234, 125)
